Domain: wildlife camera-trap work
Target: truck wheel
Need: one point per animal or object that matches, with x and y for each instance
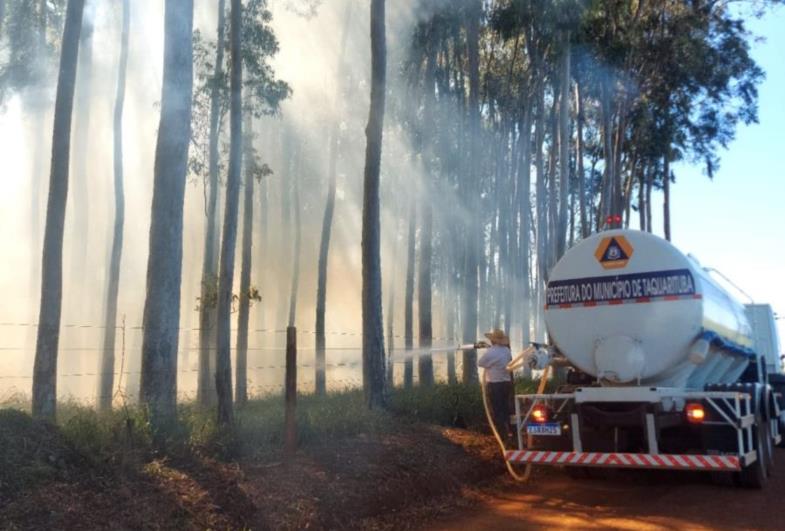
(765, 428)
(753, 476)
(768, 448)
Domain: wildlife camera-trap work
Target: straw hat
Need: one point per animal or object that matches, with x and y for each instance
(498, 337)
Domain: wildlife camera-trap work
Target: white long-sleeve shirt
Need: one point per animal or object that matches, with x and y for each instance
(495, 361)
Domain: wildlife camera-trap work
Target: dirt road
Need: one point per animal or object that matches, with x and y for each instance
(628, 500)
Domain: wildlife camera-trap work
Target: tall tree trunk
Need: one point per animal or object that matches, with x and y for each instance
(484, 320)
(295, 285)
(161, 321)
(373, 333)
(207, 309)
(45, 367)
(642, 199)
(592, 212)
(289, 155)
(243, 313)
(510, 230)
(327, 221)
(80, 160)
(628, 185)
(585, 225)
(564, 147)
(424, 298)
(262, 248)
(471, 267)
(666, 188)
(541, 189)
(608, 179)
(408, 331)
(571, 231)
(492, 291)
(110, 321)
(618, 148)
(324, 249)
(552, 191)
(223, 366)
(389, 382)
(524, 209)
(649, 183)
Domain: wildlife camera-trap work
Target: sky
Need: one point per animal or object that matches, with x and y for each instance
(736, 222)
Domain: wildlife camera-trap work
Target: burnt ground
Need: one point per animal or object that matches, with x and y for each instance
(399, 479)
(414, 476)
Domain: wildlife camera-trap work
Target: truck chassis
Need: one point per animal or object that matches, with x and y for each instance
(737, 412)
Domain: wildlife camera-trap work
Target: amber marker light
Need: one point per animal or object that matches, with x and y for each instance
(695, 413)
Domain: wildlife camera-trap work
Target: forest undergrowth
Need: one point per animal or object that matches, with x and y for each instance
(218, 478)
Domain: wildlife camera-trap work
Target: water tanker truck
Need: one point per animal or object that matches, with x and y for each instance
(664, 368)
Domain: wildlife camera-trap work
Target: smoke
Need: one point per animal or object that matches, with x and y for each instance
(324, 93)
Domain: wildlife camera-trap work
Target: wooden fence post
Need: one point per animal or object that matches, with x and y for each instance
(291, 390)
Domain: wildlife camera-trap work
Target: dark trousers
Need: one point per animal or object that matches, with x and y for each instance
(501, 397)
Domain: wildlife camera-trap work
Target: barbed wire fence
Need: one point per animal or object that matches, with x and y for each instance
(265, 377)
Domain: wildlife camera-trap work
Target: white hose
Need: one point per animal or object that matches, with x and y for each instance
(489, 416)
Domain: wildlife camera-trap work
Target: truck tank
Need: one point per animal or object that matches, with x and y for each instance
(629, 308)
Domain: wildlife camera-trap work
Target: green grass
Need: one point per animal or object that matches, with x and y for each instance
(125, 437)
(457, 405)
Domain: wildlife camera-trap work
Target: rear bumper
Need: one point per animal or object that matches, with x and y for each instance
(654, 411)
(724, 463)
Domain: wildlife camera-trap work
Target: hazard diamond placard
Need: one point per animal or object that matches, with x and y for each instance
(614, 252)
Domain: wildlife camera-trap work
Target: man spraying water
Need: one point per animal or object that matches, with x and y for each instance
(498, 379)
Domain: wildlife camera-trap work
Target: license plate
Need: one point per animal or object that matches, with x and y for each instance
(548, 428)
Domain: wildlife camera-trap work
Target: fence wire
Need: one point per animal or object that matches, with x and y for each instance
(263, 378)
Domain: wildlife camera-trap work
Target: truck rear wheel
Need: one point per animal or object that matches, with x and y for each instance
(768, 448)
(754, 476)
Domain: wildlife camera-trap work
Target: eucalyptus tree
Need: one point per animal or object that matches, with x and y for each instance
(256, 172)
(296, 168)
(161, 319)
(251, 42)
(261, 96)
(45, 365)
(80, 161)
(424, 281)
(472, 247)
(213, 86)
(106, 378)
(329, 210)
(223, 376)
(408, 317)
(241, 368)
(373, 332)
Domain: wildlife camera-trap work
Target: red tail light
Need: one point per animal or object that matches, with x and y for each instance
(695, 413)
(540, 413)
